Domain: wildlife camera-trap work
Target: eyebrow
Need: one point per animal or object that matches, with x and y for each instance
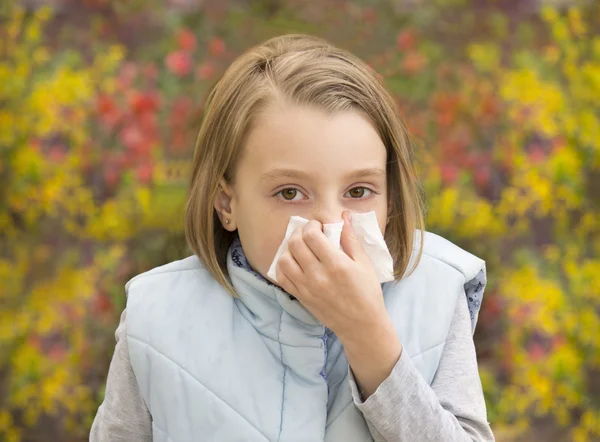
(374, 172)
(285, 173)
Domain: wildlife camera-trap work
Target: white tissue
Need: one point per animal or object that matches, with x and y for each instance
(368, 232)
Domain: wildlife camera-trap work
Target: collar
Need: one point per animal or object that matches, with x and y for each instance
(267, 306)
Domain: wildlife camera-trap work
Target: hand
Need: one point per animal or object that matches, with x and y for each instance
(341, 289)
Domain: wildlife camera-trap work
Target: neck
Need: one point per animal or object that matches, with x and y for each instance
(239, 259)
(261, 297)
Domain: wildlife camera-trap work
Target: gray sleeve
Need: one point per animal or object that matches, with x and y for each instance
(405, 408)
(123, 415)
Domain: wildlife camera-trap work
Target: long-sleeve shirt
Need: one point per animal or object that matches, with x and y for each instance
(403, 409)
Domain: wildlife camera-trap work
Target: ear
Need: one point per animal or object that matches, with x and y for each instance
(223, 206)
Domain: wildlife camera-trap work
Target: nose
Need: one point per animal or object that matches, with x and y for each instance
(328, 212)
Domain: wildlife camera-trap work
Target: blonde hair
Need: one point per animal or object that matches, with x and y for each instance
(304, 70)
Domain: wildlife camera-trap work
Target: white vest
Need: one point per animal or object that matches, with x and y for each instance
(260, 367)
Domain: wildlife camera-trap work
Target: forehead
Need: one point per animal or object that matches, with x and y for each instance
(312, 140)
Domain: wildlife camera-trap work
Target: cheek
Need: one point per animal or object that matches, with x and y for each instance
(382, 220)
(381, 210)
(378, 205)
(261, 233)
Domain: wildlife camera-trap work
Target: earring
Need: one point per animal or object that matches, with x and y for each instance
(227, 221)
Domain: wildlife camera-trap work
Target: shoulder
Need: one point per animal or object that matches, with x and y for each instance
(443, 253)
(451, 266)
(422, 304)
(179, 291)
(191, 266)
(174, 283)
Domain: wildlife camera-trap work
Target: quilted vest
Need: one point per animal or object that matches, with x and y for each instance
(260, 367)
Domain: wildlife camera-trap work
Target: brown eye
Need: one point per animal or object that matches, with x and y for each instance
(357, 192)
(289, 194)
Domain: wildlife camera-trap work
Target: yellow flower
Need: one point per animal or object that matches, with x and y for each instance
(549, 14)
(577, 24)
(485, 56)
(551, 54)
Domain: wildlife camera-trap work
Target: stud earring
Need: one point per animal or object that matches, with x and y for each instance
(227, 221)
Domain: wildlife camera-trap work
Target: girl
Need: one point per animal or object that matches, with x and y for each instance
(211, 349)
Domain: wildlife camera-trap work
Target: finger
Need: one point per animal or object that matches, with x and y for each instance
(301, 252)
(285, 283)
(349, 240)
(318, 243)
(290, 269)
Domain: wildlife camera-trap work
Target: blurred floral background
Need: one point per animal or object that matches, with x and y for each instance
(100, 102)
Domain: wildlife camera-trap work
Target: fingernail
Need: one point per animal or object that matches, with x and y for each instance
(349, 216)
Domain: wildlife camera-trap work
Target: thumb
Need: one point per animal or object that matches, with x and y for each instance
(349, 240)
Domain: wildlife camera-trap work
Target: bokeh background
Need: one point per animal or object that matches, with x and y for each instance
(100, 103)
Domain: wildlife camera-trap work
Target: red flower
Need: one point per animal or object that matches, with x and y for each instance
(105, 105)
(108, 111)
(482, 177)
(148, 123)
(413, 62)
(102, 304)
(536, 154)
(143, 102)
(406, 39)
(446, 107)
(187, 40)
(179, 63)
(216, 46)
(205, 71)
(416, 129)
(131, 136)
(536, 352)
(449, 173)
(56, 153)
(144, 173)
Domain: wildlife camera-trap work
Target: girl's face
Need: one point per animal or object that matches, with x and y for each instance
(301, 161)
